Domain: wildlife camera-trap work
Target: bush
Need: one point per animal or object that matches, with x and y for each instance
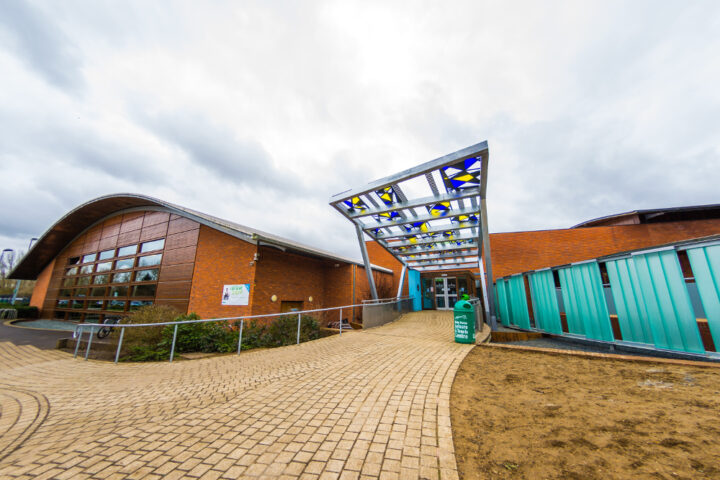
(23, 311)
(205, 337)
(280, 332)
(146, 336)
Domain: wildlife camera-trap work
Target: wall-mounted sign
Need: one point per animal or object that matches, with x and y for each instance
(236, 294)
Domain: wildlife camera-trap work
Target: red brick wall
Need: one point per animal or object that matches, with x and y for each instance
(517, 252)
(220, 260)
(41, 286)
(380, 257)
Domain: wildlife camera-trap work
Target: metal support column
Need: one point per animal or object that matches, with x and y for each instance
(487, 263)
(366, 261)
(402, 280)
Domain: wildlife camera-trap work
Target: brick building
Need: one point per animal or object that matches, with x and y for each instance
(120, 252)
(517, 252)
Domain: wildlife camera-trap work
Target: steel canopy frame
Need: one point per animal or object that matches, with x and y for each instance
(422, 227)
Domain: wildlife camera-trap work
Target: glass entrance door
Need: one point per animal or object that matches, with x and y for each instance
(445, 292)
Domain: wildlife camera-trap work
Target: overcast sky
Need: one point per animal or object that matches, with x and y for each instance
(258, 112)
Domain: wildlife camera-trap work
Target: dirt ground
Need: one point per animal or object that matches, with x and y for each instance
(533, 415)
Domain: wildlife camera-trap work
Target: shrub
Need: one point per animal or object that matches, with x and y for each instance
(280, 332)
(199, 337)
(23, 311)
(146, 336)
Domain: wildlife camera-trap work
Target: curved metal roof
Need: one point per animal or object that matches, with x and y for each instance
(659, 214)
(75, 222)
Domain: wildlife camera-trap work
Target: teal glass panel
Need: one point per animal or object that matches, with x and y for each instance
(671, 316)
(547, 312)
(518, 302)
(705, 263)
(629, 301)
(503, 307)
(584, 300)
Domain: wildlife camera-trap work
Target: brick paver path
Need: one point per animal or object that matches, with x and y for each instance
(372, 404)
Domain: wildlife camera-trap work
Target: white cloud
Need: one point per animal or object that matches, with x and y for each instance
(590, 108)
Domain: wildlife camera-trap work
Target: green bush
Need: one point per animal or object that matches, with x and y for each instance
(280, 332)
(146, 336)
(205, 337)
(23, 311)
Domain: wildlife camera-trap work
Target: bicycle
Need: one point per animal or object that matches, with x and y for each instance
(105, 330)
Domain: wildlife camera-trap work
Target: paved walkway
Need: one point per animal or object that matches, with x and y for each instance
(372, 404)
(45, 339)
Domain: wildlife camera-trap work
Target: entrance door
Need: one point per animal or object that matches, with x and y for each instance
(445, 292)
(427, 294)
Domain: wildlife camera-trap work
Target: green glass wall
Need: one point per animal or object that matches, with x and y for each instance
(502, 301)
(547, 313)
(629, 301)
(670, 313)
(705, 263)
(518, 302)
(584, 299)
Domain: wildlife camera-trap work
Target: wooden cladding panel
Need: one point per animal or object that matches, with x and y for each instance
(173, 291)
(182, 225)
(179, 255)
(153, 218)
(174, 273)
(128, 238)
(108, 242)
(179, 305)
(183, 239)
(153, 231)
(130, 224)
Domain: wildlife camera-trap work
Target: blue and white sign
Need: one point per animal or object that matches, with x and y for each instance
(236, 294)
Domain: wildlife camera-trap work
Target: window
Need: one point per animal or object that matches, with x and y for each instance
(129, 250)
(104, 267)
(83, 281)
(116, 305)
(75, 316)
(65, 292)
(95, 305)
(73, 260)
(101, 279)
(81, 292)
(68, 282)
(124, 264)
(77, 304)
(59, 315)
(146, 275)
(149, 260)
(97, 292)
(106, 254)
(135, 304)
(63, 303)
(118, 291)
(154, 245)
(92, 318)
(71, 271)
(144, 290)
(123, 277)
(89, 258)
(86, 269)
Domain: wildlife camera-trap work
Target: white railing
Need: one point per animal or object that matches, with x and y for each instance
(95, 327)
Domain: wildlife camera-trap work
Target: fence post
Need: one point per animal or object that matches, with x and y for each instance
(242, 322)
(172, 350)
(87, 352)
(298, 334)
(77, 341)
(341, 321)
(117, 354)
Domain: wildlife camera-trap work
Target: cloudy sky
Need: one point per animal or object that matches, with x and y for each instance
(258, 112)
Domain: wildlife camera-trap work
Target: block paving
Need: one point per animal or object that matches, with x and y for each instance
(371, 404)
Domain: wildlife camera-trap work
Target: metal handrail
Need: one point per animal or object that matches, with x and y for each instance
(379, 301)
(79, 328)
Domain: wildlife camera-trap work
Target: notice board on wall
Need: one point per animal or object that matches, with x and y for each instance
(236, 294)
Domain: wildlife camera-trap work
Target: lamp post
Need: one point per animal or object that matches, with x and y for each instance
(11, 254)
(17, 282)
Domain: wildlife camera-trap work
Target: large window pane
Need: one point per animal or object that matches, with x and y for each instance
(68, 282)
(65, 292)
(83, 281)
(106, 254)
(73, 260)
(104, 267)
(89, 258)
(154, 245)
(149, 260)
(81, 292)
(144, 290)
(59, 315)
(118, 291)
(135, 304)
(71, 271)
(77, 304)
(123, 264)
(63, 303)
(116, 305)
(122, 277)
(75, 316)
(101, 279)
(97, 292)
(86, 269)
(129, 250)
(146, 275)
